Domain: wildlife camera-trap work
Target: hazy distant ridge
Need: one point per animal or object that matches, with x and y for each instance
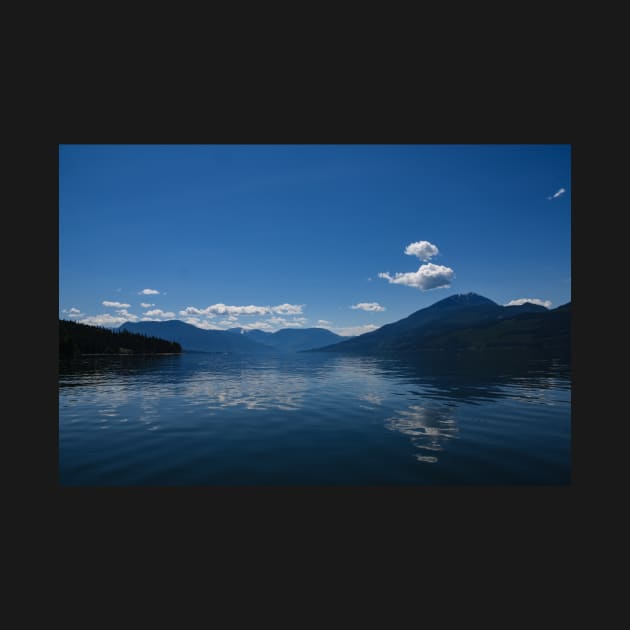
(192, 338)
(292, 339)
(234, 340)
(463, 321)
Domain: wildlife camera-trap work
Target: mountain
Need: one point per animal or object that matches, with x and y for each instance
(550, 330)
(527, 307)
(235, 339)
(467, 321)
(291, 339)
(457, 322)
(76, 339)
(257, 335)
(192, 338)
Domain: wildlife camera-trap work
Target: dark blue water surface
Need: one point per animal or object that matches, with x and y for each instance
(314, 418)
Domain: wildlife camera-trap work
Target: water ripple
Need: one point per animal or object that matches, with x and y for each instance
(309, 418)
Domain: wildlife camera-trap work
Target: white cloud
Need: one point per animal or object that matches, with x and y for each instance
(204, 325)
(115, 304)
(368, 306)
(282, 322)
(191, 310)
(105, 319)
(274, 323)
(72, 312)
(159, 313)
(145, 305)
(427, 277)
(347, 331)
(148, 292)
(557, 194)
(288, 309)
(545, 303)
(224, 309)
(270, 324)
(266, 326)
(323, 322)
(422, 249)
(125, 313)
(236, 311)
(230, 321)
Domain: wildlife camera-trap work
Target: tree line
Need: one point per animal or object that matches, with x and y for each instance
(76, 339)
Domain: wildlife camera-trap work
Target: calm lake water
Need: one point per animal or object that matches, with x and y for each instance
(304, 419)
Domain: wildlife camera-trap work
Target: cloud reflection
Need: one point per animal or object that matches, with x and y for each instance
(372, 400)
(267, 391)
(429, 429)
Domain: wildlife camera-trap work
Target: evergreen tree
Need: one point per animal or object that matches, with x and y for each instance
(76, 339)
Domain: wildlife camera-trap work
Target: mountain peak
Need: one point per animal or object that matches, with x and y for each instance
(464, 299)
(466, 321)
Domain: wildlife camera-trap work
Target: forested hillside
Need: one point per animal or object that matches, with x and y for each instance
(76, 339)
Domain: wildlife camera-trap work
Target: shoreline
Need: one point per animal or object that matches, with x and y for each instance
(122, 354)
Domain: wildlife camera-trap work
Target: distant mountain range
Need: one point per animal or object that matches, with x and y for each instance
(238, 340)
(467, 321)
(192, 338)
(464, 321)
(76, 339)
(291, 339)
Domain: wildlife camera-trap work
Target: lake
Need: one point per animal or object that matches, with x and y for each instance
(315, 419)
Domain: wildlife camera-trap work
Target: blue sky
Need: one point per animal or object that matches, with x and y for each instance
(275, 236)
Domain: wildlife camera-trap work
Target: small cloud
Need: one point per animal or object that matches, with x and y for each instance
(427, 277)
(105, 319)
(236, 311)
(160, 313)
(191, 310)
(230, 321)
(323, 322)
(115, 304)
(368, 306)
(72, 312)
(369, 279)
(148, 292)
(288, 309)
(146, 304)
(545, 303)
(266, 326)
(204, 325)
(281, 322)
(422, 249)
(557, 194)
(224, 309)
(125, 313)
(231, 314)
(348, 331)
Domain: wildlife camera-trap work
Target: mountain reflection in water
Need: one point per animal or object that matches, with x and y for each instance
(310, 418)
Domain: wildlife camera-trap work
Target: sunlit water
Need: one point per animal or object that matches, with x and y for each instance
(304, 419)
